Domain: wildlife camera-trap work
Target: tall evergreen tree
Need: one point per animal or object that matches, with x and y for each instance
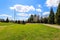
(58, 15)
(51, 16)
(23, 22)
(7, 20)
(45, 20)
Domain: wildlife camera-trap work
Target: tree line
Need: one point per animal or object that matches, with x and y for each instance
(53, 18)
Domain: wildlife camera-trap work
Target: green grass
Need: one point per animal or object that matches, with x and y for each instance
(10, 31)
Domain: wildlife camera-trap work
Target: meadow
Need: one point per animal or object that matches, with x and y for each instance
(11, 31)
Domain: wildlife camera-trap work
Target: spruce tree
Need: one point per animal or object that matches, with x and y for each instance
(45, 20)
(51, 16)
(7, 20)
(58, 15)
(23, 22)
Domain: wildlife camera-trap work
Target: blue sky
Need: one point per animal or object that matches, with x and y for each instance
(24, 8)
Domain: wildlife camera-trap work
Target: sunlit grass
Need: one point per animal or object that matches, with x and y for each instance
(28, 32)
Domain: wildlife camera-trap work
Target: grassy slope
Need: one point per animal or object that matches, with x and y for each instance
(10, 31)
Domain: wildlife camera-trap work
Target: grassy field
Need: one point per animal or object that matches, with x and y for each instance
(10, 31)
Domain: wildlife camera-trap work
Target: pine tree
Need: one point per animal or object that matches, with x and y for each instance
(45, 20)
(58, 15)
(51, 16)
(7, 20)
(23, 22)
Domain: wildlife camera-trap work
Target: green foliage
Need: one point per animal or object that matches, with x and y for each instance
(7, 20)
(23, 22)
(34, 19)
(45, 20)
(58, 15)
(18, 21)
(51, 17)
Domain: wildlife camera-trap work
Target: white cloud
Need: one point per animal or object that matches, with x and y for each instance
(45, 13)
(52, 3)
(23, 14)
(23, 18)
(39, 10)
(12, 8)
(22, 8)
(5, 15)
(39, 5)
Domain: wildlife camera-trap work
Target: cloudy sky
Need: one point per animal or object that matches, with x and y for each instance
(24, 8)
